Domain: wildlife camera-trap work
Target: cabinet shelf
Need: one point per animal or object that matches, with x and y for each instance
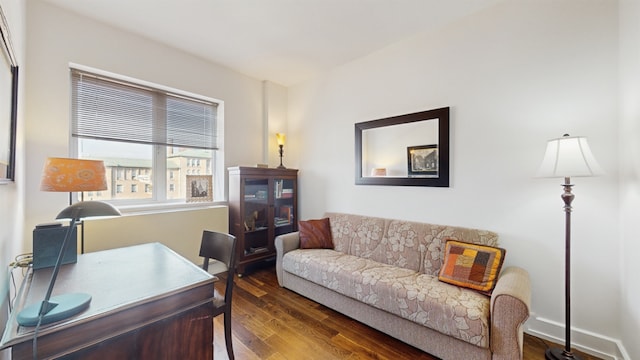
(256, 251)
(262, 205)
(250, 199)
(256, 230)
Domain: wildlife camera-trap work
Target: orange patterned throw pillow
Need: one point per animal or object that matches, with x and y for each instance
(471, 265)
(315, 234)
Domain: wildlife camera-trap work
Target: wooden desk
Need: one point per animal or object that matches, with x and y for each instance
(147, 303)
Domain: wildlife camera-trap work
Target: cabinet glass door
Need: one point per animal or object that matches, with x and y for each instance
(256, 211)
(284, 213)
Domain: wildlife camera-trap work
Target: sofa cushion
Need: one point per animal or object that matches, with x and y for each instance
(392, 242)
(421, 298)
(315, 234)
(341, 231)
(471, 265)
(411, 245)
(436, 237)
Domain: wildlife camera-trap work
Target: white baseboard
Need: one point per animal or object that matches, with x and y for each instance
(586, 341)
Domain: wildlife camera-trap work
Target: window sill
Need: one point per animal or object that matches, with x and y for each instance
(171, 207)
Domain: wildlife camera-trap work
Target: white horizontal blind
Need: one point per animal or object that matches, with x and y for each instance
(109, 109)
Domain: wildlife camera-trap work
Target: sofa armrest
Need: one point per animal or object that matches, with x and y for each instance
(510, 304)
(285, 243)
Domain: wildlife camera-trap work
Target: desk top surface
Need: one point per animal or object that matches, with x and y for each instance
(116, 279)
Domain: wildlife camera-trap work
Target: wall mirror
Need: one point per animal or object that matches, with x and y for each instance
(8, 104)
(405, 150)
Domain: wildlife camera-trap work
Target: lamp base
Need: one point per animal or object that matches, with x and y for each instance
(66, 305)
(560, 354)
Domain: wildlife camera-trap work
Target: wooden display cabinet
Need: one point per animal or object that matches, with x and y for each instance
(263, 203)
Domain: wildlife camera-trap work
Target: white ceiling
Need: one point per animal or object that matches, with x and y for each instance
(284, 41)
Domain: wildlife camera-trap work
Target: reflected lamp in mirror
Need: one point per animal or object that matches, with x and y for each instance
(68, 175)
(379, 172)
(280, 138)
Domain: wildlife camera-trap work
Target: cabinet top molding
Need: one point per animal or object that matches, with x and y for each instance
(248, 170)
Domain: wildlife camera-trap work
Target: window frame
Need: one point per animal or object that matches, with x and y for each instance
(159, 152)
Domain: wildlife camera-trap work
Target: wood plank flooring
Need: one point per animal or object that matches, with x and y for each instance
(270, 322)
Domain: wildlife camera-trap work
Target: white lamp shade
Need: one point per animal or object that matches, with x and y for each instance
(569, 156)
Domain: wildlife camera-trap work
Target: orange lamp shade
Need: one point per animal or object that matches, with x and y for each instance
(280, 137)
(69, 175)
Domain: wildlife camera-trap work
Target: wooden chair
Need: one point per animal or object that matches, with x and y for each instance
(221, 247)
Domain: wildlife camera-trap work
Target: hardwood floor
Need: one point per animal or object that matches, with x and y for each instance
(270, 322)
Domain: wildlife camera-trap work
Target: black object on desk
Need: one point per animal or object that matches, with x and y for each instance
(47, 241)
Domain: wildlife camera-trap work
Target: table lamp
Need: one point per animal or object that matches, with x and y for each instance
(280, 139)
(379, 172)
(68, 175)
(566, 157)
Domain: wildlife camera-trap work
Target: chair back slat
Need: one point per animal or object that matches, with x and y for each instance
(220, 247)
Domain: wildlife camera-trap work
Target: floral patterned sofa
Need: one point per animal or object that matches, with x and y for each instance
(385, 273)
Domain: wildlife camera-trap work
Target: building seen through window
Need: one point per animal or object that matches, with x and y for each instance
(126, 176)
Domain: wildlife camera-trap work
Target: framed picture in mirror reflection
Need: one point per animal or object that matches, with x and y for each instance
(422, 161)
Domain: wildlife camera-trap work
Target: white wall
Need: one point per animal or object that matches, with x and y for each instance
(12, 195)
(630, 173)
(275, 112)
(57, 37)
(514, 76)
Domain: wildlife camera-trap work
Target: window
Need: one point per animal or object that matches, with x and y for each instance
(147, 135)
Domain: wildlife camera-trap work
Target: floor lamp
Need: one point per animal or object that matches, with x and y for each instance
(566, 157)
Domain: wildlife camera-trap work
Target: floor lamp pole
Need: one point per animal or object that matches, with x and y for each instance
(554, 353)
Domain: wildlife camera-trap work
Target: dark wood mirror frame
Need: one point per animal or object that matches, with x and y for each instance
(8, 119)
(442, 180)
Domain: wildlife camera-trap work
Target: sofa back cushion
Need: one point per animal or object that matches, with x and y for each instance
(342, 230)
(407, 244)
(436, 237)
